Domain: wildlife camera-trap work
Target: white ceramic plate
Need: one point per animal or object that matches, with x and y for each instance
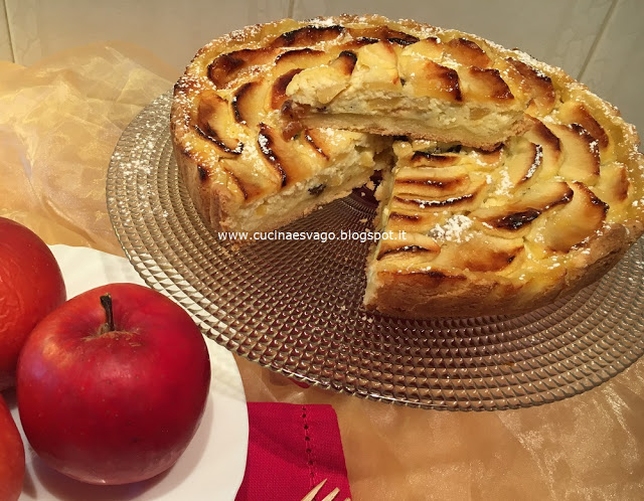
(214, 463)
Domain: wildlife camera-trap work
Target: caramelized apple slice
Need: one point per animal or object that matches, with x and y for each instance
(285, 160)
(580, 154)
(411, 244)
(410, 220)
(481, 253)
(550, 144)
(316, 139)
(428, 159)
(247, 182)
(345, 62)
(484, 85)
(379, 33)
(426, 182)
(320, 84)
(613, 186)
(524, 160)
(467, 52)
(422, 74)
(278, 91)
(574, 112)
(488, 160)
(227, 67)
(540, 87)
(298, 58)
(461, 201)
(307, 36)
(526, 207)
(290, 63)
(215, 121)
(426, 78)
(428, 48)
(576, 221)
(248, 102)
(377, 68)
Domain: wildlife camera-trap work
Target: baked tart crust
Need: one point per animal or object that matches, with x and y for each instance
(506, 183)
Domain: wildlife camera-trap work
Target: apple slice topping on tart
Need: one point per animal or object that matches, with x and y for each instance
(431, 89)
(498, 171)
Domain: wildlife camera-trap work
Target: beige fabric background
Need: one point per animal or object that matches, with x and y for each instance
(59, 123)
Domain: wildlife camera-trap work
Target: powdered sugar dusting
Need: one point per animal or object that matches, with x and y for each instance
(453, 229)
(505, 184)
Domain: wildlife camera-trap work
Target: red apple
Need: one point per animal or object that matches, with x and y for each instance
(31, 286)
(111, 391)
(12, 456)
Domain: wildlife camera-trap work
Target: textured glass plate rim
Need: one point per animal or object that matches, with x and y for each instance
(487, 363)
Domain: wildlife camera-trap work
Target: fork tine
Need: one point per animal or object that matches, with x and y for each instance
(313, 492)
(331, 495)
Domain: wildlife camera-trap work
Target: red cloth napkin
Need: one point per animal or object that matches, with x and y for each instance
(291, 449)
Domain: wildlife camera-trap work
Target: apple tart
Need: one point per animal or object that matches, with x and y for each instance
(506, 184)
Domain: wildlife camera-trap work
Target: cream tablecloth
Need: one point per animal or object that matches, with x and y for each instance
(59, 122)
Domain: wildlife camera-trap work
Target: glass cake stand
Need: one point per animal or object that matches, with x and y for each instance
(296, 306)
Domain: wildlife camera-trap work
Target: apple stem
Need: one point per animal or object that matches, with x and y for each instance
(106, 303)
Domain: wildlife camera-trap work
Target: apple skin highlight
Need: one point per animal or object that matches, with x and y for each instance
(114, 406)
